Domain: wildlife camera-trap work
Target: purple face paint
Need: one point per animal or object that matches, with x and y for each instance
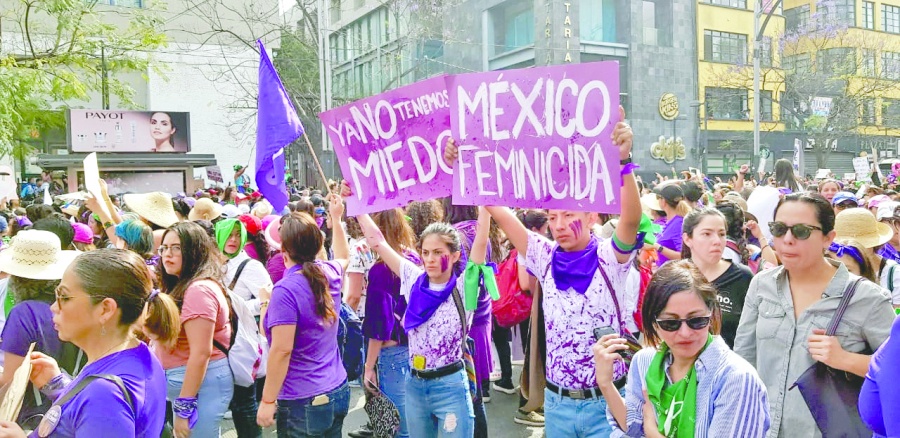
(445, 263)
(576, 228)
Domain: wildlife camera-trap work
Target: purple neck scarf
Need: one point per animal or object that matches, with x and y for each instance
(575, 269)
(423, 302)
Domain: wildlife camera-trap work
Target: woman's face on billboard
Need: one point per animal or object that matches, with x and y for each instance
(161, 126)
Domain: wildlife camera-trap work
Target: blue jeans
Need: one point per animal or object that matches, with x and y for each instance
(215, 394)
(440, 407)
(393, 369)
(564, 416)
(243, 411)
(300, 419)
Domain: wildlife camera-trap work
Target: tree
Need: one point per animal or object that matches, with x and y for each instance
(55, 56)
(829, 82)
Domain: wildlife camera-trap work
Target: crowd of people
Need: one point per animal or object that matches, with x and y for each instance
(699, 309)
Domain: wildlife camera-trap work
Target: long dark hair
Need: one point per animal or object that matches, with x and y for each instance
(734, 220)
(454, 214)
(396, 229)
(674, 277)
(784, 175)
(301, 240)
(199, 260)
(692, 220)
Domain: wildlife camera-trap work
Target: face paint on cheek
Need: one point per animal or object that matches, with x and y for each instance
(576, 228)
(445, 262)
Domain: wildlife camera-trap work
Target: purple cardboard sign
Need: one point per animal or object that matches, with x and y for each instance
(390, 146)
(538, 137)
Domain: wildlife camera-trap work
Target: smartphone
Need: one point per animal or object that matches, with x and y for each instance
(630, 341)
(600, 332)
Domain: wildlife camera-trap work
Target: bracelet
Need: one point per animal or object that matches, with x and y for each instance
(264, 303)
(268, 402)
(54, 388)
(620, 247)
(107, 225)
(186, 407)
(629, 168)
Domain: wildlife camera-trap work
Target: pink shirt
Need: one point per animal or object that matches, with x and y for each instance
(202, 299)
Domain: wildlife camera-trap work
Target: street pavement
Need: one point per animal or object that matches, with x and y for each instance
(500, 413)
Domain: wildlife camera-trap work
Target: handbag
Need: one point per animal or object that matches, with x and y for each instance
(832, 395)
(468, 346)
(383, 414)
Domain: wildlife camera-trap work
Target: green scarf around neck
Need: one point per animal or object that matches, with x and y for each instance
(676, 404)
(224, 228)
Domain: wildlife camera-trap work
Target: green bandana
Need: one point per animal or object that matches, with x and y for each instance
(224, 228)
(472, 280)
(676, 404)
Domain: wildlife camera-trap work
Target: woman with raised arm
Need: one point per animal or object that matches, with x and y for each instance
(435, 322)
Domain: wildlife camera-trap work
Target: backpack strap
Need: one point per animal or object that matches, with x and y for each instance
(114, 379)
(238, 274)
(890, 281)
(457, 299)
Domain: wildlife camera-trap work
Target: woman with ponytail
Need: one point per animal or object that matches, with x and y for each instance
(672, 201)
(305, 375)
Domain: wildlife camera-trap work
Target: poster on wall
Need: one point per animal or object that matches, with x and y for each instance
(91, 130)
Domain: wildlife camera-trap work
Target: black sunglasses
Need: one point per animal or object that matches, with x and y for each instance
(695, 323)
(800, 231)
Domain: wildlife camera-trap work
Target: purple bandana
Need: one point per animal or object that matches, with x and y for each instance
(423, 302)
(575, 269)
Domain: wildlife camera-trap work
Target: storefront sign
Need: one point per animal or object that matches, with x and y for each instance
(128, 131)
(668, 106)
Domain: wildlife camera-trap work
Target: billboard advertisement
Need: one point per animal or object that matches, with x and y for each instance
(91, 130)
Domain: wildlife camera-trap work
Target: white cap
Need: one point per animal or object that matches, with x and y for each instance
(886, 210)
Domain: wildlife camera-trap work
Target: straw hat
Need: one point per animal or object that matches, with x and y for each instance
(205, 209)
(35, 254)
(859, 224)
(156, 207)
(650, 202)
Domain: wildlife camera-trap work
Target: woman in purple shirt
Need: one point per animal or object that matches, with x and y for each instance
(437, 394)
(668, 242)
(121, 392)
(305, 374)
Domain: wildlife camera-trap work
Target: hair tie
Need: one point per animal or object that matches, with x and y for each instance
(153, 294)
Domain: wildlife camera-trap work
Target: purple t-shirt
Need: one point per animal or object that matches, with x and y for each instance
(315, 367)
(275, 266)
(670, 237)
(100, 409)
(385, 306)
(879, 397)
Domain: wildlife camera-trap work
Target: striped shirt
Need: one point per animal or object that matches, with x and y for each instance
(731, 398)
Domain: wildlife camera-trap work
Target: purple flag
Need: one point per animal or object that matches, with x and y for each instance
(277, 125)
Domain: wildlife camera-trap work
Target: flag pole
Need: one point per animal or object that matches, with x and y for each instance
(316, 160)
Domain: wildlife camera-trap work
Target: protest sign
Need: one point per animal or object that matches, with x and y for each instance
(92, 179)
(823, 173)
(390, 146)
(537, 137)
(214, 173)
(849, 176)
(11, 401)
(861, 167)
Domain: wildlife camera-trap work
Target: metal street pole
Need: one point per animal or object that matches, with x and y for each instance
(104, 77)
(757, 10)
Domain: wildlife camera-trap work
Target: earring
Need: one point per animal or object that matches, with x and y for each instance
(103, 330)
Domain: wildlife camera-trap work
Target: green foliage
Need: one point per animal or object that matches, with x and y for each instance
(55, 60)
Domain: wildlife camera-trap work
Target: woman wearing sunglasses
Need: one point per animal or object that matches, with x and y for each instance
(786, 311)
(688, 383)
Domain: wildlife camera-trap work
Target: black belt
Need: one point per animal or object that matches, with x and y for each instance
(438, 372)
(582, 394)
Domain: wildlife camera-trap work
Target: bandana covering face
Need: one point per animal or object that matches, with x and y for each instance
(675, 403)
(224, 228)
(575, 269)
(423, 301)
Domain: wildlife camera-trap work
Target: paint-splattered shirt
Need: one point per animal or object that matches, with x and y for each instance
(439, 339)
(570, 317)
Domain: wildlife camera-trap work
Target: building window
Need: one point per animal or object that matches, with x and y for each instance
(727, 104)
(867, 66)
(868, 112)
(513, 28)
(335, 11)
(890, 113)
(765, 52)
(724, 47)
(733, 3)
(840, 12)
(868, 9)
(796, 63)
(890, 18)
(765, 106)
(657, 20)
(838, 61)
(598, 20)
(796, 18)
(890, 65)
(123, 3)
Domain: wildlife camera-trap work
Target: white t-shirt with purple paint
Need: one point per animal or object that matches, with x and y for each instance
(570, 317)
(439, 339)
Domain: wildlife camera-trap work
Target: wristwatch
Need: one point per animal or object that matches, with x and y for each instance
(626, 161)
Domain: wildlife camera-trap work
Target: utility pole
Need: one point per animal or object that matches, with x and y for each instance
(757, 39)
(104, 77)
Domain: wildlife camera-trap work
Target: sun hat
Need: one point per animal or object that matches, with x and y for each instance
(886, 210)
(273, 234)
(649, 202)
(840, 197)
(860, 225)
(269, 219)
(231, 211)
(244, 208)
(878, 200)
(36, 255)
(156, 207)
(70, 209)
(83, 233)
(205, 209)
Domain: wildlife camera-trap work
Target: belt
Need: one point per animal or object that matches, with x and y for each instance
(438, 372)
(582, 394)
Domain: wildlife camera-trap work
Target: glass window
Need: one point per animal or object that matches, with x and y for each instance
(765, 106)
(733, 3)
(796, 18)
(890, 65)
(796, 63)
(890, 113)
(598, 20)
(513, 28)
(840, 12)
(727, 103)
(765, 52)
(724, 47)
(868, 112)
(868, 10)
(837, 61)
(867, 66)
(890, 18)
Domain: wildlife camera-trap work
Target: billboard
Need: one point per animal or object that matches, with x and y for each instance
(91, 130)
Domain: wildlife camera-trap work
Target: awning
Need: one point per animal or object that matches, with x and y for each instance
(136, 160)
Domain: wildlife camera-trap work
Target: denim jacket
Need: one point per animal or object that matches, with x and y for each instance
(772, 339)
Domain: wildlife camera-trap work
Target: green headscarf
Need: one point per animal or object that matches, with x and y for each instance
(224, 228)
(676, 403)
